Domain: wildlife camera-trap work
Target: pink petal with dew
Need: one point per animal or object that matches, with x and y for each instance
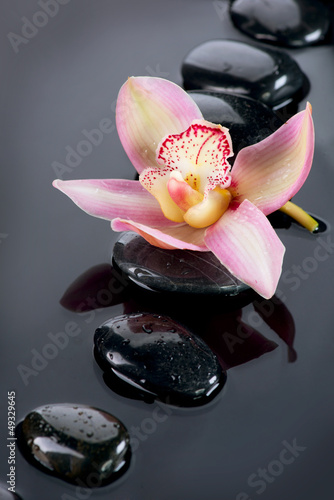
(148, 109)
(271, 172)
(247, 245)
(110, 198)
(179, 236)
(200, 153)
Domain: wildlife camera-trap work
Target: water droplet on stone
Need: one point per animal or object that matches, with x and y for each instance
(147, 329)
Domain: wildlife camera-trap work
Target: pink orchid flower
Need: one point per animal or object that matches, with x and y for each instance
(187, 197)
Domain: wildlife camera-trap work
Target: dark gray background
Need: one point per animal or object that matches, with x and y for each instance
(64, 80)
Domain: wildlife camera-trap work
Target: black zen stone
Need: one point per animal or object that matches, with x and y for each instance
(158, 356)
(267, 75)
(180, 271)
(289, 23)
(248, 121)
(75, 443)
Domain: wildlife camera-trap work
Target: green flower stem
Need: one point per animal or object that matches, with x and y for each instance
(302, 217)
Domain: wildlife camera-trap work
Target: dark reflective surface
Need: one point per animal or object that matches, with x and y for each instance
(270, 76)
(64, 81)
(221, 326)
(100, 286)
(5, 494)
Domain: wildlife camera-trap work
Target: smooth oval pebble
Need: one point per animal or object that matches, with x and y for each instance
(249, 121)
(5, 494)
(270, 76)
(75, 442)
(157, 355)
(177, 271)
(289, 23)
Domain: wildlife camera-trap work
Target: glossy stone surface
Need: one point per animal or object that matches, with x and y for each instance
(180, 271)
(7, 495)
(270, 76)
(249, 121)
(289, 23)
(75, 442)
(157, 355)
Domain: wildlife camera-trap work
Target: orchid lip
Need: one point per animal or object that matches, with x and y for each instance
(210, 210)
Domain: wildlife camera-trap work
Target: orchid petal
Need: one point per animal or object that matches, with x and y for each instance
(200, 153)
(270, 172)
(147, 110)
(110, 198)
(179, 236)
(247, 245)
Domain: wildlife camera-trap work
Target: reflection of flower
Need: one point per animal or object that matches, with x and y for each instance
(186, 196)
(224, 327)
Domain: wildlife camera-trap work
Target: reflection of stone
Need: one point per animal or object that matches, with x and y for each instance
(75, 443)
(233, 333)
(158, 356)
(270, 76)
(180, 271)
(289, 23)
(214, 317)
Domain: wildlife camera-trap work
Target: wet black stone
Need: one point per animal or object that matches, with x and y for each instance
(289, 23)
(75, 443)
(158, 356)
(8, 495)
(249, 121)
(270, 76)
(180, 271)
